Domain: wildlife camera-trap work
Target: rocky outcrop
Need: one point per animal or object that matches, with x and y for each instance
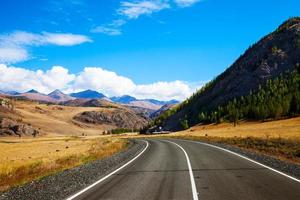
(121, 118)
(6, 104)
(10, 121)
(10, 127)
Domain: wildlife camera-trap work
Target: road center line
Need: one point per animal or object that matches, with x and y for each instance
(194, 189)
(109, 175)
(244, 157)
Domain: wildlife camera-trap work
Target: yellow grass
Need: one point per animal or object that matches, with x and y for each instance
(22, 160)
(288, 129)
(58, 120)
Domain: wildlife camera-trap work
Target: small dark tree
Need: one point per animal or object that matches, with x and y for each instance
(184, 124)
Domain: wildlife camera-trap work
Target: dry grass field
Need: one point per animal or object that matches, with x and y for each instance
(26, 159)
(57, 120)
(280, 139)
(287, 129)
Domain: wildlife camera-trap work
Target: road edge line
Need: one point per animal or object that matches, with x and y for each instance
(244, 157)
(109, 175)
(193, 184)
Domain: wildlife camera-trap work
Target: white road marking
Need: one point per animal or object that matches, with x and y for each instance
(253, 161)
(194, 189)
(109, 175)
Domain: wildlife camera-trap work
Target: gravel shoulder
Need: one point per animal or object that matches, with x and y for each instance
(289, 168)
(68, 182)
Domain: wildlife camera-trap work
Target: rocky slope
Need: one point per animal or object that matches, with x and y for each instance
(120, 118)
(161, 110)
(11, 122)
(268, 58)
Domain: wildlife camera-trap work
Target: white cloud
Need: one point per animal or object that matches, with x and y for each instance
(20, 79)
(12, 54)
(106, 30)
(134, 9)
(99, 79)
(64, 39)
(95, 78)
(163, 90)
(186, 3)
(110, 29)
(14, 46)
(128, 10)
(118, 23)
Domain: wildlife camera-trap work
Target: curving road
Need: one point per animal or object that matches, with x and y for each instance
(177, 169)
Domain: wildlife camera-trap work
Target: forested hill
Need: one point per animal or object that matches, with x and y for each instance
(264, 79)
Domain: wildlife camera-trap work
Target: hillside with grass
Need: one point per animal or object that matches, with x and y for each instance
(262, 84)
(21, 117)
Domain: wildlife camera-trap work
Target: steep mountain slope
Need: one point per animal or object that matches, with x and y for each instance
(161, 110)
(144, 104)
(88, 94)
(60, 96)
(273, 55)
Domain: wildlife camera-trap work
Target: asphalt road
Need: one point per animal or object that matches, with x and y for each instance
(162, 172)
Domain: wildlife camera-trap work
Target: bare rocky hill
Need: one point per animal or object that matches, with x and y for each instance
(11, 122)
(120, 118)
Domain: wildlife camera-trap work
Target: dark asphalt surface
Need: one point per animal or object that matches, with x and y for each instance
(161, 172)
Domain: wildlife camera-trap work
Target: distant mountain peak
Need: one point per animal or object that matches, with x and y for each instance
(57, 91)
(123, 99)
(32, 91)
(59, 95)
(88, 94)
(9, 92)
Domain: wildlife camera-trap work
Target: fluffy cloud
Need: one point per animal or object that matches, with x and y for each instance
(64, 39)
(186, 3)
(133, 9)
(14, 46)
(95, 78)
(20, 79)
(107, 82)
(12, 54)
(164, 90)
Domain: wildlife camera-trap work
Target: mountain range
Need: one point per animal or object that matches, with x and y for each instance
(82, 98)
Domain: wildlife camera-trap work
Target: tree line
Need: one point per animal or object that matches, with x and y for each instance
(278, 98)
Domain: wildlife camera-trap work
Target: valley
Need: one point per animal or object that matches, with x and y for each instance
(236, 137)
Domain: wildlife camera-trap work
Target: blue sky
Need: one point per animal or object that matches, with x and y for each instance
(160, 48)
